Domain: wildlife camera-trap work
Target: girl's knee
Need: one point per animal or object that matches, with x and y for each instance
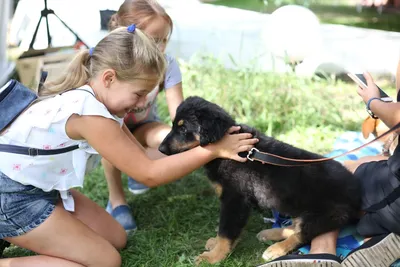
(119, 236)
(108, 258)
(120, 240)
(115, 259)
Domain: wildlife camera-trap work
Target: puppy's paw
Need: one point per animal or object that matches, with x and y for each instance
(211, 243)
(273, 252)
(209, 257)
(270, 234)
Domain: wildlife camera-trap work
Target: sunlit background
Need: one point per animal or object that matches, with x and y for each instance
(278, 65)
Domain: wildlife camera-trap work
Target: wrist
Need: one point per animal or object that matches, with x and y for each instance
(370, 100)
(212, 151)
(369, 107)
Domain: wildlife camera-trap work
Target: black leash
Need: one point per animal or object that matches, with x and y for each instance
(267, 158)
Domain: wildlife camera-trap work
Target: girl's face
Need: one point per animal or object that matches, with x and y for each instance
(159, 30)
(120, 97)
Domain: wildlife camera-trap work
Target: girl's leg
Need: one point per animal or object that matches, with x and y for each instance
(150, 135)
(64, 239)
(116, 195)
(322, 253)
(97, 219)
(325, 243)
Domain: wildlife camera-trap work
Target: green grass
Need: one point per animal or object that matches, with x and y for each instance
(176, 220)
(328, 13)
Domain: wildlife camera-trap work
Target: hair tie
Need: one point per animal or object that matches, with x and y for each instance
(131, 28)
(91, 50)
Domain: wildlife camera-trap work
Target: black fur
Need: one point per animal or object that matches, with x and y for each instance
(325, 196)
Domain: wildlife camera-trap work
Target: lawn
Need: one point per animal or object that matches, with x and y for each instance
(176, 220)
(329, 13)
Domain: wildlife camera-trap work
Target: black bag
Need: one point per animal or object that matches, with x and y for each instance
(14, 99)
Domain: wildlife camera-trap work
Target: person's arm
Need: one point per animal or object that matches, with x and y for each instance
(174, 97)
(110, 141)
(389, 113)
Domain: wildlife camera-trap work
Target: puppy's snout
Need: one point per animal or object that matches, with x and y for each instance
(163, 148)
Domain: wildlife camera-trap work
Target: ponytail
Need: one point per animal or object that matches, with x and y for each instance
(76, 75)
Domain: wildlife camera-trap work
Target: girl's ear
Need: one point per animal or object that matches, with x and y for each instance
(108, 77)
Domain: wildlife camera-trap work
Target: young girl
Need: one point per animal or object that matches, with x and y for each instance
(144, 122)
(38, 209)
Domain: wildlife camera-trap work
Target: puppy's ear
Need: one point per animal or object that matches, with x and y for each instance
(368, 126)
(214, 123)
(213, 130)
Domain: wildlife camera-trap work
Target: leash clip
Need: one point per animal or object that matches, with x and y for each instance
(251, 152)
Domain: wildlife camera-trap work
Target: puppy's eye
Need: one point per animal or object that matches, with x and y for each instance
(183, 129)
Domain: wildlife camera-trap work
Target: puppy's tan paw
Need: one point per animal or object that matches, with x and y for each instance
(209, 257)
(274, 252)
(270, 234)
(211, 243)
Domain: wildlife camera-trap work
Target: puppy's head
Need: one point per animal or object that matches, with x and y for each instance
(197, 122)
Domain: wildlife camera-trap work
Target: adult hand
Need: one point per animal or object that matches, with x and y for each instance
(232, 144)
(371, 91)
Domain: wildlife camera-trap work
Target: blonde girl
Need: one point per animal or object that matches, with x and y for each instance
(39, 210)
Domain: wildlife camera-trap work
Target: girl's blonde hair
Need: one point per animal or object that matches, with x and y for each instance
(131, 54)
(139, 12)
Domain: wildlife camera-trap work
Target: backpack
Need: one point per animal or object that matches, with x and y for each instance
(14, 99)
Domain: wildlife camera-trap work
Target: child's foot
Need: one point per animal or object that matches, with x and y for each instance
(382, 250)
(135, 187)
(123, 215)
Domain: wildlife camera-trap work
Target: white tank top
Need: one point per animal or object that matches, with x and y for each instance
(43, 126)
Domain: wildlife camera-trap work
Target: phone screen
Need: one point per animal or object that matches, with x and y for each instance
(362, 78)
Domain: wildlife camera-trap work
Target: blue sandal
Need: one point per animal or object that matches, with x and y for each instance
(123, 215)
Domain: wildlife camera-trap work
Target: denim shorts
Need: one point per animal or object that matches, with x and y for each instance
(23, 207)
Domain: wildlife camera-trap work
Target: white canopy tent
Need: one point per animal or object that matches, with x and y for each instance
(226, 33)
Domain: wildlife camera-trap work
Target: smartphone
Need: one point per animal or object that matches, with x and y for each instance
(360, 80)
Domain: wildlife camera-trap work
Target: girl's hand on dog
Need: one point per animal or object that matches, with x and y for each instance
(371, 91)
(232, 144)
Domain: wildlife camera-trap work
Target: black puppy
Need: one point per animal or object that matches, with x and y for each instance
(321, 197)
